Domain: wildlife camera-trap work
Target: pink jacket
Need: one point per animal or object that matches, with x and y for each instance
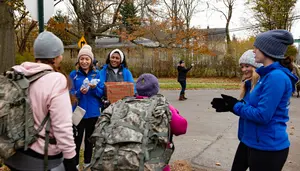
(178, 125)
(50, 93)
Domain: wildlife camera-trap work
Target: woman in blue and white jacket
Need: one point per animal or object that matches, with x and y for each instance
(88, 98)
(115, 70)
(266, 113)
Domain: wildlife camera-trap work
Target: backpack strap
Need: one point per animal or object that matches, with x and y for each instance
(46, 142)
(38, 75)
(144, 154)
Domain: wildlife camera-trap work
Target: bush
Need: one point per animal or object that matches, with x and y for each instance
(67, 65)
(26, 56)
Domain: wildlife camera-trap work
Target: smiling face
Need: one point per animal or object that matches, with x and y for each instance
(247, 70)
(85, 62)
(115, 60)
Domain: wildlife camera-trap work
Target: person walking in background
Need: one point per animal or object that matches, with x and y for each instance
(267, 111)
(182, 71)
(249, 80)
(88, 95)
(48, 95)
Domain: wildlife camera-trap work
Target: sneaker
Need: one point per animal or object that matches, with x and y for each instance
(77, 167)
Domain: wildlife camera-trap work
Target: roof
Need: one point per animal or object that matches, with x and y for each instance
(152, 39)
(108, 42)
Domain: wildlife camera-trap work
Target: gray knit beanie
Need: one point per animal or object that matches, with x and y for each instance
(147, 85)
(47, 45)
(274, 43)
(248, 57)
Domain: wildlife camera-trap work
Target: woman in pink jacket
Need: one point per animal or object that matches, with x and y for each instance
(147, 86)
(48, 94)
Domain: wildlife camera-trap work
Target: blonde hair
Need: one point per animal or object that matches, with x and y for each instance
(253, 79)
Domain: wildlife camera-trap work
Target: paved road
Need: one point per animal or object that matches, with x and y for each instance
(212, 137)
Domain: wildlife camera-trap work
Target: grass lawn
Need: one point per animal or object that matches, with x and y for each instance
(200, 83)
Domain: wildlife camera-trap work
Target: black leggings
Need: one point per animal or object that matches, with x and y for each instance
(183, 87)
(258, 160)
(87, 126)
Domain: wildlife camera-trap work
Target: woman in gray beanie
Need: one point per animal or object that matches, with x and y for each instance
(266, 112)
(49, 95)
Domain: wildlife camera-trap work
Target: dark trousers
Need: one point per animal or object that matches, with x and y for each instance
(183, 86)
(87, 126)
(258, 160)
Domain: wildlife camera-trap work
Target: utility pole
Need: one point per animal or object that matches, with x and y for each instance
(41, 15)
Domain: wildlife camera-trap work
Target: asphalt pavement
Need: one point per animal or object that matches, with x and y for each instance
(211, 139)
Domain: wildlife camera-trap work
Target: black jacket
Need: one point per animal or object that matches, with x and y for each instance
(182, 71)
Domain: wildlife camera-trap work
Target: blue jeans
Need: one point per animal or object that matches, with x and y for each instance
(183, 86)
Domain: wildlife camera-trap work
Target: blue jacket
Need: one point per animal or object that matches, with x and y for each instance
(266, 113)
(127, 76)
(241, 120)
(91, 100)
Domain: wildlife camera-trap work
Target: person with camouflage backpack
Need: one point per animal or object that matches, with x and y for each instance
(135, 133)
(36, 112)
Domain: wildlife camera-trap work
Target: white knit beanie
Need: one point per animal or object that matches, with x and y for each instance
(86, 50)
(248, 57)
(119, 51)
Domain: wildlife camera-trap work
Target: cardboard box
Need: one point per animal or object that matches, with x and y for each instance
(118, 90)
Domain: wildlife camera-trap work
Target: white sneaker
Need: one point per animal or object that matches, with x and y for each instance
(77, 167)
(85, 165)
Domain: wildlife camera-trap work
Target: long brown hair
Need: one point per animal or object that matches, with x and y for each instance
(254, 80)
(50, 61)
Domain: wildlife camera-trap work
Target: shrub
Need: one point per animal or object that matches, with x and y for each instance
(26, 56)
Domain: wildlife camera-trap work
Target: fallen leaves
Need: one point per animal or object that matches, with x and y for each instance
(218, 164)
(181, 165)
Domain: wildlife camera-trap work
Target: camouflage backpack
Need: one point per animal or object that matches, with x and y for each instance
(133, 135)
(16, 118)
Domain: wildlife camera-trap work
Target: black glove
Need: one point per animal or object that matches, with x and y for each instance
(220, 105)
(70, 164)
(230, 101)
(224, 104)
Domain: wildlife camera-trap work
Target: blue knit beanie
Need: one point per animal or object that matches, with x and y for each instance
(274, 43)
(147, 85)
(248, 57)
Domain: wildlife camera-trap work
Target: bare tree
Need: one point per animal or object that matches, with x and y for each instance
(7, 44)
(173, 11)
(96, 16)
(228, 15)
(189, 10)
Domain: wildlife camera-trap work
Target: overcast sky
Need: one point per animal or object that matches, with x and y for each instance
(240, 18)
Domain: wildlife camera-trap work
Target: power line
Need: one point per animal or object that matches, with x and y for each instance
(297, 17)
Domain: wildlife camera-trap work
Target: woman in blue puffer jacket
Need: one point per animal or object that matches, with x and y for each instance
(266, 113)
(88, 97)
